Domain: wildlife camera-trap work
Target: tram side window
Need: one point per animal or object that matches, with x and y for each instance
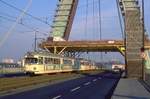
(40, 60)
(48, 60)
(31, 60)
(56, 61)
(67, 62)
(8, 66)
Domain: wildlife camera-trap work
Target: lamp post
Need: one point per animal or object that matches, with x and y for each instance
(35, 38)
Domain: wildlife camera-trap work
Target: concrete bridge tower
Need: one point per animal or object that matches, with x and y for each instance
(134, 37)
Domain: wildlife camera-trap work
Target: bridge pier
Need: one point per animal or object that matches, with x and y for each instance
(134, 39)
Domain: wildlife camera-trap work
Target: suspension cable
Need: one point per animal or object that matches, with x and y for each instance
(93, 22)
(86, 24)
(86, 16)
(120, 22)
(93, 18)
(99, 15)
(100, 25)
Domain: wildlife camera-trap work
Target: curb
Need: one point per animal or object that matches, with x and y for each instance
(146, 86)
(111, 91)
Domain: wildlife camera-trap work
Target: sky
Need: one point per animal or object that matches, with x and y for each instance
(21, 39)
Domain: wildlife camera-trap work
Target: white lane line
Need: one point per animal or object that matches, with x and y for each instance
(87, 83)
(99, 78)
(94, 79)
(74, 89)
(56, 97)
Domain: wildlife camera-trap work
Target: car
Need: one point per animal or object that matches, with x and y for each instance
(116, 69)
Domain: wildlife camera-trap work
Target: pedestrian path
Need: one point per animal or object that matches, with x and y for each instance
(130, 89)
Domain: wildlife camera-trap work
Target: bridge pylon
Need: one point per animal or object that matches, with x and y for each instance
(134, 37)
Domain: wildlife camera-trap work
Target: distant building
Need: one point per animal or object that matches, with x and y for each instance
(8, 60)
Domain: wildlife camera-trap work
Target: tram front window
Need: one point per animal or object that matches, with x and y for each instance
(31, 61)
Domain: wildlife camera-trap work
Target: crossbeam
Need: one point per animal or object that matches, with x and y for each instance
(87, 46)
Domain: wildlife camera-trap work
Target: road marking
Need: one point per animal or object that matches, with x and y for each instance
(99, 78)
(57, 97)
(74, 89)
(87, 83)
(94, 79)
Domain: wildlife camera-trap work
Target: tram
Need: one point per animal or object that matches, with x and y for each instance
(42, 62)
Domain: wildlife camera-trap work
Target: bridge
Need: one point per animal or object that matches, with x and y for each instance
(130, 47)
(58, 47)
(95, 84)
(82, 46)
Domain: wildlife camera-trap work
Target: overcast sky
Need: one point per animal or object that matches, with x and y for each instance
(21, 38)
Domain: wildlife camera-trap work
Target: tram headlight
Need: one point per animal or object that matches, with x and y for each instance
(34, 68)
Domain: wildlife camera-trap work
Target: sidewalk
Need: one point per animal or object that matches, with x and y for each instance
(130, 89)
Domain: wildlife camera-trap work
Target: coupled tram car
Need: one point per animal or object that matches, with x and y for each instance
(45, 62)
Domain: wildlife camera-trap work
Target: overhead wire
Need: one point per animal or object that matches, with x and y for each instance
(10, 30)
(3, 26)
(7, 15)
(31, 28)
(20, 10)
(6, 18)
(11, 20)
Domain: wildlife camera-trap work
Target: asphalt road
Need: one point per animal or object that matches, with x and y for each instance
(89, 87)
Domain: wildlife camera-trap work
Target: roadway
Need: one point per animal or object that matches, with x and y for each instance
(97, 86)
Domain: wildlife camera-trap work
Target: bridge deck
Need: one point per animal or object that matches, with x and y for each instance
(83, 46)
(86, 46)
